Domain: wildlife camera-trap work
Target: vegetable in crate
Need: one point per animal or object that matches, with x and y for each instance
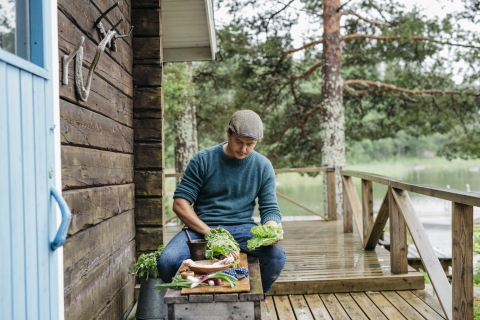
(264, 236)
(221, 244)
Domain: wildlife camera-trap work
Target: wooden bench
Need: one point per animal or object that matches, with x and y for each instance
(219, 306)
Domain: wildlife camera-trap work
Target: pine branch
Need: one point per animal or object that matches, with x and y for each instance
(395, 88)
(415, 38)
(289, 52)
(305, 119)
(276, 13)
(307, 72)
(343, 5)
(371, 36)
(375, 23)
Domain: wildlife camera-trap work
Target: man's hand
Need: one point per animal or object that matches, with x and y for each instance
(273, 223)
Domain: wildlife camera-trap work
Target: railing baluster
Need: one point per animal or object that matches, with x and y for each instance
(398, 237)
(331, 194)
(347, 208)
(354, 203)
(462, 261)
(367, 207)
(376, 230)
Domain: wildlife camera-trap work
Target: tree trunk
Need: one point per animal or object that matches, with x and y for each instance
(333, 120)
(185, 125)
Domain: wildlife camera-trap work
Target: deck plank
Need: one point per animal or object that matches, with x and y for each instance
(424, 309)
(402, 306)
(284, 309)
(300, 308)
(317, 307)
(350, 306)
(430, 300)
(333, 306)
(268, 309)
(369, 308)
(385, 306)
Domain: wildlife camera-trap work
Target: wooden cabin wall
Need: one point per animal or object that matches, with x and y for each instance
(148, 125)
(97, 165)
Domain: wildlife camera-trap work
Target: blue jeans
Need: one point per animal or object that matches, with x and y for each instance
(272, 258)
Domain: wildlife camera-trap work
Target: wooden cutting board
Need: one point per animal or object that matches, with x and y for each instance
(243, 285)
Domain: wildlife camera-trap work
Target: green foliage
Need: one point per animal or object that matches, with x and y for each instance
(220, 244)
(146, 264)
(251, 72)
(476, 309)
(425, 276)
(179, 92)
(476, 239)
(264, 236)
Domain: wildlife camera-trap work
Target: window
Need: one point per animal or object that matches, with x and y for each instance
(15, 27)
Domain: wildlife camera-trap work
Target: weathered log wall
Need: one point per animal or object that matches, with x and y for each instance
(97, 139)
(149, 160)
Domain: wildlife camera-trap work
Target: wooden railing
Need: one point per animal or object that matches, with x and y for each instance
(330, 172)
(456, 299)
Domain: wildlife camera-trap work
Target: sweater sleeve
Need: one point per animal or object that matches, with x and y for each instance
(192, 180)
(267, 198)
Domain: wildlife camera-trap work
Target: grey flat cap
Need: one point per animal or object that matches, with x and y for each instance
(247, 123)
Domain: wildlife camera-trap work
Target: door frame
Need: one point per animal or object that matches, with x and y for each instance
(51, 14)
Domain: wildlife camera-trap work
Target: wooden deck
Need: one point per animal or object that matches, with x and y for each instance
(323, 259)
(329, 276)
(409, 304)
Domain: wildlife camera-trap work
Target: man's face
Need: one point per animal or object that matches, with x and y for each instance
(239, 147)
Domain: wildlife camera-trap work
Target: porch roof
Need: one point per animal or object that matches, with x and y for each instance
(188, 30)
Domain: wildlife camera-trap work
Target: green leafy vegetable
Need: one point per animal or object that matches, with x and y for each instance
(146, 264)
(220, 244)
(264, 236)
(177, 282)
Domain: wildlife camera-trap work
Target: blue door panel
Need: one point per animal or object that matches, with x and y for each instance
(5, 239)
(42, 196)
(29, 280)
(16, 191)
(29, 267)
(29, 185)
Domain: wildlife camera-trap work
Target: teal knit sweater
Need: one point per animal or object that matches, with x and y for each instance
(224, 190)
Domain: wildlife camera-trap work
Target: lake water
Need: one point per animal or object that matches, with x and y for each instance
(459, 175)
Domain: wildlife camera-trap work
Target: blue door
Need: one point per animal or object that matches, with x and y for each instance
(30, 268)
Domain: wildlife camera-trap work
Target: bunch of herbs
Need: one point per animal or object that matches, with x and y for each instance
(147, 264)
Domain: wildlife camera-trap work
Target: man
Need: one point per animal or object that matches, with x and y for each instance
(222, 183)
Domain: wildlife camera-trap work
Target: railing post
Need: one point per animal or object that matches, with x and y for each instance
(398, 237)
(331, 194)
(367, 207)
(462, 261)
